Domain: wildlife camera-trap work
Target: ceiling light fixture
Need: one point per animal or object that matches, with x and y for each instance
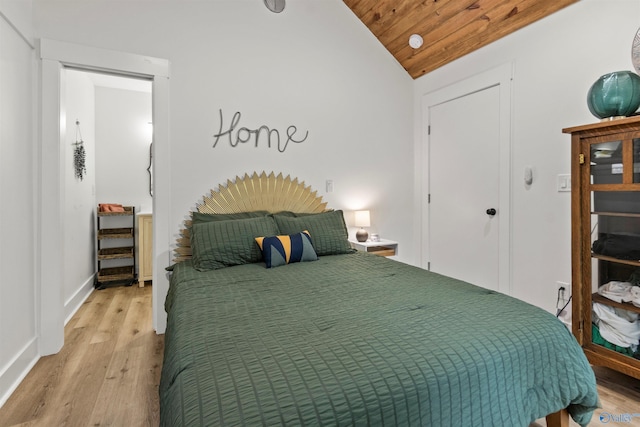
(415, 41)
(275, 6)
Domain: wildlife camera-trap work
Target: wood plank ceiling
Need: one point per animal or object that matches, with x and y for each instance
(450, 28)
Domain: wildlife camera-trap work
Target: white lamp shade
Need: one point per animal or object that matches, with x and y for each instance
(362, 219)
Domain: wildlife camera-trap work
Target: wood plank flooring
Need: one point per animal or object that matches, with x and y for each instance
(108, 371)
(619, 395)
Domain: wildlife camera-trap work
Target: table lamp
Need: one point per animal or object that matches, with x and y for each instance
(362, 220)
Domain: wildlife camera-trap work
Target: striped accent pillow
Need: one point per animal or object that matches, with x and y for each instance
(287, 249)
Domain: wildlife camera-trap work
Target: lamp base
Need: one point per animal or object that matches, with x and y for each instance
(362, 235)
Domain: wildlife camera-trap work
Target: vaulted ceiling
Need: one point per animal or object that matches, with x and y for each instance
(450, 28)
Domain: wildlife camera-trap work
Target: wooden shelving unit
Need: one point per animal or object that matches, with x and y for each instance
(115, 245)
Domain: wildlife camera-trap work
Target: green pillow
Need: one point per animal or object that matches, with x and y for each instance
(283, 250)
(218, 244)
(197, 217)
(328, 231)
(296, 214)
(285, 213)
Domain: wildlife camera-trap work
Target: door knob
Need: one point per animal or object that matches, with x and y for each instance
(491, 211)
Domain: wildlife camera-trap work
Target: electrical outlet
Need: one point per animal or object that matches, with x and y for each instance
(563, 296)
(563, 293)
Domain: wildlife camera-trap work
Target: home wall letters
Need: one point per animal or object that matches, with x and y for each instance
(237, 135)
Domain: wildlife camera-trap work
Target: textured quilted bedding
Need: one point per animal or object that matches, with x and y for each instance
(359, 340)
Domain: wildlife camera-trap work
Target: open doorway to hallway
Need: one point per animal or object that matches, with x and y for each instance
(56, 58)
(106, 122)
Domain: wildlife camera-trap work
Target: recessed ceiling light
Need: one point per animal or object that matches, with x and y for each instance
(415, 41)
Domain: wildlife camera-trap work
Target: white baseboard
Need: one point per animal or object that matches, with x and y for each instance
(18, 368)
(73, 304)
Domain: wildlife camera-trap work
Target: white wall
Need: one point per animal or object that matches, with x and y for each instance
(123, 136)
(19, 209)
(278, 70)
(314, 66)
(79, 195)
(556, 60)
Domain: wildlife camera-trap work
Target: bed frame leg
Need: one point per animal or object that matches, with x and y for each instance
(558, 419)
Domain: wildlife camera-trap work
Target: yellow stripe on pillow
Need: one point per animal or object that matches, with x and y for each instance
(286, 249)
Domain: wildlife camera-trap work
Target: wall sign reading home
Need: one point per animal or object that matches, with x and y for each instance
(237, 135)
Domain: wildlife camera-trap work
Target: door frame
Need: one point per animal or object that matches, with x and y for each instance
(501, 76)
(54, 57)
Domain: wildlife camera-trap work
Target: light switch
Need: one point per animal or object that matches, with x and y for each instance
(564, 182)
(329, 185)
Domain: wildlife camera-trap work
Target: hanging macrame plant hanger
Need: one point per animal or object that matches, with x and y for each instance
(79, 154)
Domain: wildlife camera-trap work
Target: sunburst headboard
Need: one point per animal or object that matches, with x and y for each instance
(272, 193)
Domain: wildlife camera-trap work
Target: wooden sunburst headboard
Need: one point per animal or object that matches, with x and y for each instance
(272, 193)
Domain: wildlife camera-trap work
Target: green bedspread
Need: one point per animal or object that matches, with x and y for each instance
(359, 340)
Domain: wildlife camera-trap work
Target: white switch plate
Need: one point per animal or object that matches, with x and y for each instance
(564, 182)
(329, 185)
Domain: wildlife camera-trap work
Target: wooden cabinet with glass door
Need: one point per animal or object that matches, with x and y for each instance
(605, 233)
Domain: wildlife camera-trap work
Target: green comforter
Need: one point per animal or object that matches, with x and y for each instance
(359, 340)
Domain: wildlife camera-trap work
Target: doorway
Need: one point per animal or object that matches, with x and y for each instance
(463, 219)
(55, 56)
(103, 160)
(466, 175)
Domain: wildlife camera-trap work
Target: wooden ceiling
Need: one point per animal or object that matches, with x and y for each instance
(450, 28)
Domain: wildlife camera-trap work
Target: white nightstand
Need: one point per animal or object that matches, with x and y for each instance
(383, 247)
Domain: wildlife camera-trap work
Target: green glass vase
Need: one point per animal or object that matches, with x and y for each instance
(614, 94)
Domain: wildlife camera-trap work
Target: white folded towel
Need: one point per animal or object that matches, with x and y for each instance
(617, 291)
(619, 327)
(621, 292)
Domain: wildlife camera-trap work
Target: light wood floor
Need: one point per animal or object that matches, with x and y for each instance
(108, 371)
(619, 394)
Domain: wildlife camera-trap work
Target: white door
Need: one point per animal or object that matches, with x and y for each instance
(464, 165)
(466, 224)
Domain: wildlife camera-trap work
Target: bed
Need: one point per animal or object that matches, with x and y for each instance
(346, 338)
